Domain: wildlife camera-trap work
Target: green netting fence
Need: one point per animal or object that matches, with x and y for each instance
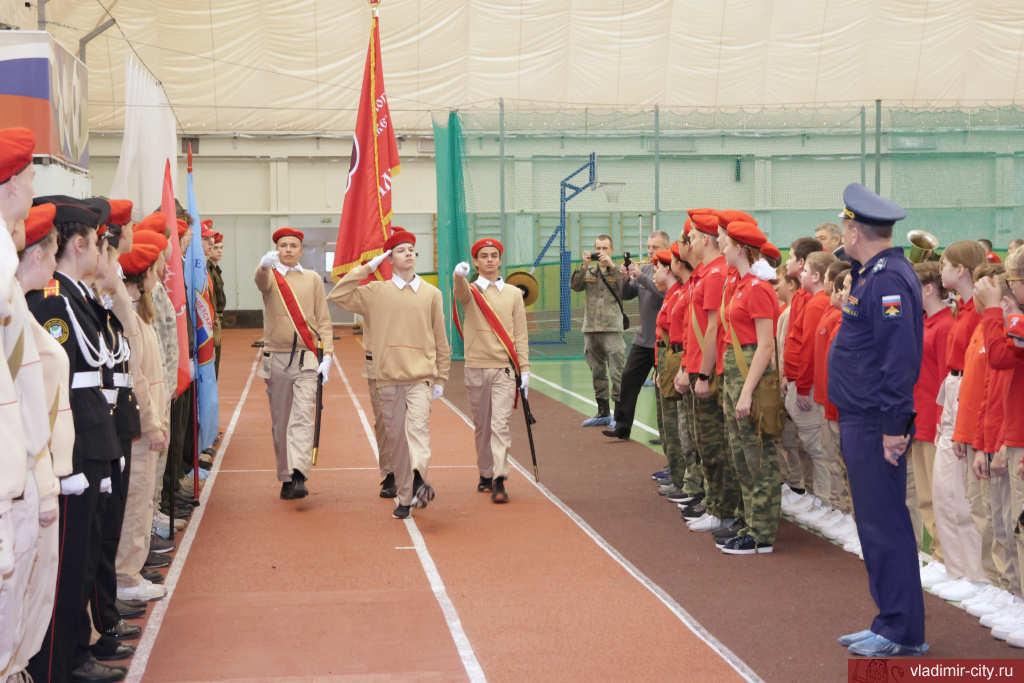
(500, 171)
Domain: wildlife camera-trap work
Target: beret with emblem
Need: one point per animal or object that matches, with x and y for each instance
(864, 206)
(16, 145)
(487, 242)
(399, 236)
(288, 232)
(39, 223)
(217, 238)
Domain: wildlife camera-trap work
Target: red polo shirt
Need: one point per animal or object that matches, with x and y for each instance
(972, 389)
(791, 362)
(1004, 355)
(967, 318)
(815, 308)
(680, 318)
(822, 337)
(933, 371)
(707, 296)
(752, 298)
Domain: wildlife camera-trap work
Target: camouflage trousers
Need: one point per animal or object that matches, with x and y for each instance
(721, 488)
(757, 464)
(605, 353)
(676, 442)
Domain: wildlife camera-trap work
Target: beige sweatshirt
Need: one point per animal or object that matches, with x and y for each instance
(409, 343)
(483, 350)
(278, 330)
(55, 460)
(149, 380)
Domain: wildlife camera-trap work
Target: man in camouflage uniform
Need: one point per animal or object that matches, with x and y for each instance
(603, 346)
(220, 300)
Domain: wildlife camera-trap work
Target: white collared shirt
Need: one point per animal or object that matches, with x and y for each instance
(484, 283)
(400, 283)
(283, 269)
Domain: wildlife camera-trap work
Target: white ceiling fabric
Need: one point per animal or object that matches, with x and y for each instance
(270, 65)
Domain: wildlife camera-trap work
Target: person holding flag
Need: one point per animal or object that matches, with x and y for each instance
(497, 359)
(296, 323)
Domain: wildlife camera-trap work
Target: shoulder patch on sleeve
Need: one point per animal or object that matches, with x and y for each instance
(892, 306)
(57, 328)
(52, 288)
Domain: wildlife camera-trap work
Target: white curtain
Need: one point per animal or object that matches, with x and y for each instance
(150, 139)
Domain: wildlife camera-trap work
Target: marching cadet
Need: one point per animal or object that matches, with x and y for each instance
(380, 432)
(750, 316)
(411, 358)
(497, 360)
(879, 345)
(290, 368)
(66, 313)
(34, 272)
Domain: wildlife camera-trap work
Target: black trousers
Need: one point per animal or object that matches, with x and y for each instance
(179, 454)
(111, 514)
(79, 528)
(638, 367)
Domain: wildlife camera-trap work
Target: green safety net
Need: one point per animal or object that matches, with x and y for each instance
(500, 171)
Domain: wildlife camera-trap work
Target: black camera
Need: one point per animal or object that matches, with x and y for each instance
(626, 261)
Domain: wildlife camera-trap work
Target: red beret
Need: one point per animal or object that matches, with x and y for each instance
(206, 231)
(992, 257)
(771, 251)
(155, 239)
(487, 242)
(698, 212)
(706, 223)
(217, 238)
(182, 228)
(208, 223)
(154, 222)
(288, 232)
(16, 145)
(688, 226)
(399, 236)
(664, 257)
(729, 215)
(120, 211)
(141, 256)
(39, 223)
(746, 233)
(674, 248)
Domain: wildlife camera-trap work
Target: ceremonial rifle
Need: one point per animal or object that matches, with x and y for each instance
(530, 421)
(319, 399)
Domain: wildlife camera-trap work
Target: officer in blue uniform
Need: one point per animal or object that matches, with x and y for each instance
(873, 367)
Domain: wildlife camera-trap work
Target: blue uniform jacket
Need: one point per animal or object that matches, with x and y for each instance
(876, 356)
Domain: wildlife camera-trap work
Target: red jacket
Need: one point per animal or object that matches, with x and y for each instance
(989, 434)
(967, 319)
(972, 389)
(813, 311)
(831, 412)
(822, 339)
(933, 371)
(1004, 355)
(791, 359)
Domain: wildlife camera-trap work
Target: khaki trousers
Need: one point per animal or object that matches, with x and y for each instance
(839, 483)
(37, 608)
(808, 430)
(961, 541)
(912, 505)
(14, 594)
(406, 412)
(794, 463)
(923, 457)
(1014, 456)
(1004, 547)
(605, 353)
(492, 393)
(380, 431)
(981, 514)
(291, 387)
(133, 548)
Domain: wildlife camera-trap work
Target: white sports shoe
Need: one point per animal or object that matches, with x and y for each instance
(1010, 614)
(933, 573)
(842, 529)
(1016, 639)
(802, 505)
(827, 520)
(999, 601)
(1002, 631)
(853, 546)
(147, 590)
(814, 513)
(958, 592)
(691, 522)
(711, 523)
(986, 594)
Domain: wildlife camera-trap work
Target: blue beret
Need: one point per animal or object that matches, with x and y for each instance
(864, 206)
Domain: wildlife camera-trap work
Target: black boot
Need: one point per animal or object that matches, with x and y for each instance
(498, 494)
(484, 486)
(603, 409)
(387, 487)
(299, 489)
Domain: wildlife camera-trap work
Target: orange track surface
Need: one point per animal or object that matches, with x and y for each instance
(329, 588)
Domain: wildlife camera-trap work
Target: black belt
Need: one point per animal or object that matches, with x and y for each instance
(661, 344)
(369, 357)
(677, 348)
(956, 373)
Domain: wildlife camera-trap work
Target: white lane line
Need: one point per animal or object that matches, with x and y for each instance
(451, 616)
(688, 620)
(149, 634)
(534, 375)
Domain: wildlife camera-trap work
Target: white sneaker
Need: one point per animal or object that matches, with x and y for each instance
(997, 602)
(1002, 631)
(827, 520)
(691, 522)
(842, 530)
(933, 573)
(711, 523)
(1016, 639)
(958, 592)
(814, 513)
(852, 546)
(163, 520)
(986, 594)
(147, 590)
(1007, 614)
(802, 505)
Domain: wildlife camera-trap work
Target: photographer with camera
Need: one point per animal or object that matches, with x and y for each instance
(603, 323)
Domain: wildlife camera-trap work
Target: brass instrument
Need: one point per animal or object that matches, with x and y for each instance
(922, 245)
(527, 284)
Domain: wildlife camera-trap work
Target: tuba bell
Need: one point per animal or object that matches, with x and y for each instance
(922, 245)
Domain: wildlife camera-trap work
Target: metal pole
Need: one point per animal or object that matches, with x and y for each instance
(41, 8)
(89, 36)
(878, 146)
(863, 146)
(657, 170)
(501, 176)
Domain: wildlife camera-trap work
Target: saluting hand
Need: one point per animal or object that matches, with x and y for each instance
(375, 262)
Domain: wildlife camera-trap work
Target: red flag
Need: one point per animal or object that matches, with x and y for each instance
(174, 282)
(366, 214)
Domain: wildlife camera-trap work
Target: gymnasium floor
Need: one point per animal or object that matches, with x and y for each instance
(589, 575)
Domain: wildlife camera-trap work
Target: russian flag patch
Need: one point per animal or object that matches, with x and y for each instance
(892, 306)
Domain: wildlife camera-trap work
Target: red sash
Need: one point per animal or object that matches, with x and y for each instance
(295, 313)
(492, 319)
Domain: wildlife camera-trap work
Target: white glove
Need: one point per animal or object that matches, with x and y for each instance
(6, 544)
(122, 463)
(462, 270)
(325, 369)
(438, 392)
(375, 262)
(524, 382)
(270, 259)
(105, 485)
(75, 485)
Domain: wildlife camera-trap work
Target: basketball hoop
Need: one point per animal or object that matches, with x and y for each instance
(612, 191)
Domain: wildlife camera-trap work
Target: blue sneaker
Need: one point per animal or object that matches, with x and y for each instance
(878, 646)
(660, 474)
(598, 421)
(848, 640)
(649, 383)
